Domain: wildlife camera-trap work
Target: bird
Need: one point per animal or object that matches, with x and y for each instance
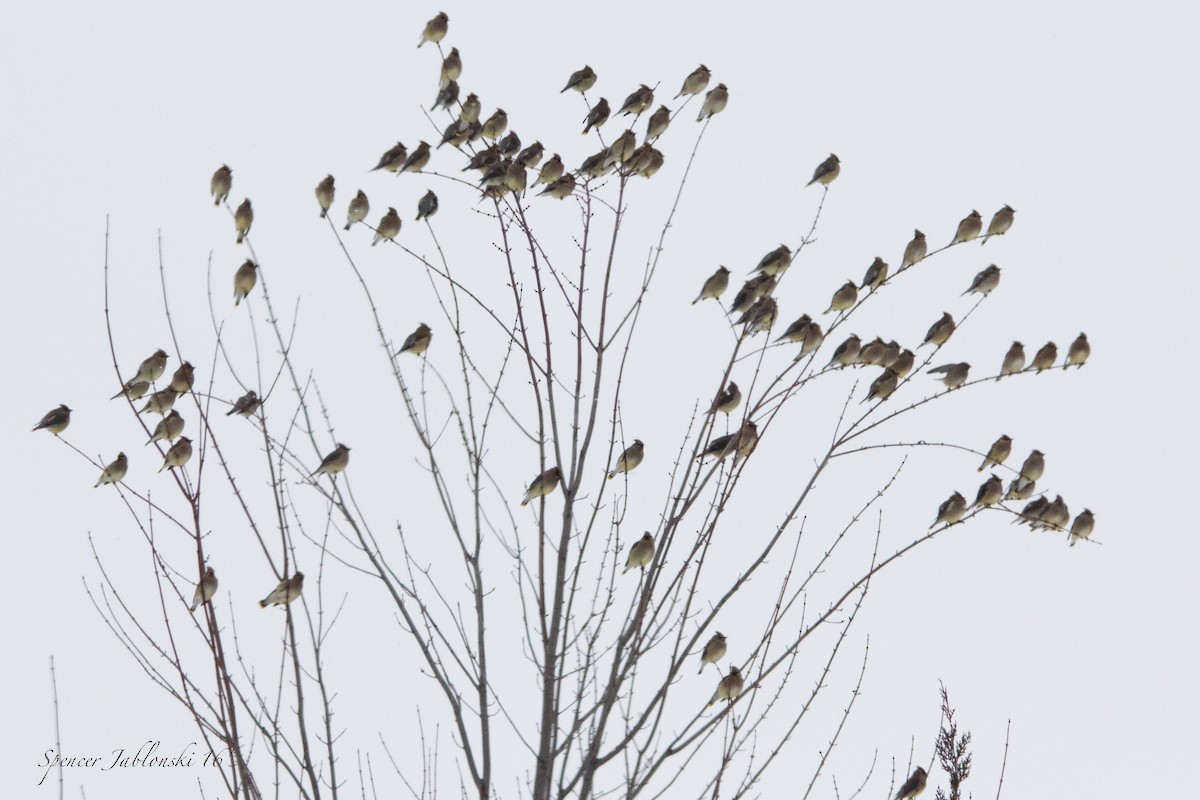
(813, 338)
(1078, 352)
(1045, 357)
(427, 206)
(561, 187)
(388, 228)
(774, 262)
(844, 298)
(222, 182)
(751, 291)
(997, 454)
(914, 251)
(55, 421)
(447, 95)
(940, 332)
(950, 511)
(696, 82)
(184, 377)
(471, 108)
(417, 160)
(245, 405)
(1032, 468)
(883, 386)
(953, 375)
(451, 67)
(324, 192)
(243, 218)
(160, 402)
(178, 454)
(827, 171)
(543, 485)
(597, 116)
(872, 353)
(457, 133)
(985, 281)
(495, 125)
(622, 148)
(745, 440)
(1033, 511)
(418, 341)
(876, 274)
(551, 171)
(714, 285)
(133, 389)
(337, 460)
(968, 228)
(515, 178)
(730, 686)
(1018, 492)
(990, 492)
(510, 145)
(714, 102)
(1014, 360)
(358, 209)
(115, 471)
(1055, 516)
(629, 459)
(797, 330)
(648, 163)
(719, 447)
(287, 591)
(581, 80)
(151, 369)
(435, 29)
(169, 428)
(593, 166)
(657, 125)
(761, 316)
(727, 400)
(637, 101)
(640, 554)
(913, 786)
(846, 352)
(531, 156)
(1002, 220)
(714, 650)
(393, 159)
(1083, 525)
(205, 589)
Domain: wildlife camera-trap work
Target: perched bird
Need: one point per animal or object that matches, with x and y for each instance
(543, 485)
(761, 316)
(134, 389)
(648, 163)
(515, 178)
(427, 206)
(337, 460)
(509, 145)
(719, 447)
(797, 330)
(471, 108)
(393, 159)
(1083, 525)
(593, 166)
(114, 472)
(1045, 357)
(1018, 492)
(714, 286)
(417, 159)
(451, 67)
(844, 298)
(531, 156)
(244, 281)
(950, 511)
(222, 182)
(745, 440)
(169, 428)
(324, 192)
(447, 96)
(435, 29)
(1032, 469)
(597, 116)
(1055, 517)
(714, 102)
(55, 421)
(812, 339)
(876, 274)
(774, 262)
(846, 352)
(657, 125)
(561, 187)
(727, 400)
(968, 228)
(358, 209)
(388, 228)
(581, 80)
(640, 554)
(621, 148)
(940, 332)
(985, 281)
(629, 459)
(891, 354)
(873, 352)
(245, 405)
(1078, 352)
(903, 363)
(638, 101)
(1033, 511)
(551, 171)
(287, 591)
(160, 402)
(418, 341)
(913, 786)
(714, 650)
(495, 125)
(914, 251)
(205, 589)
(1014, 360)
(1002, 220)
(243, 218)
(729, 687)
(997, 454)
(990, 492)
(827, 171)
(696, 82)
(178, 454)
(883, 386)
(494, 174)
(953, 375)
(751, 291)
(184, 377)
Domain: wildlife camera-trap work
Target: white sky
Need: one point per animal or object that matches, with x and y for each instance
(1084, 122)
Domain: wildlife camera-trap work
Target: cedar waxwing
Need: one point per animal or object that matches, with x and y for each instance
(435, 29)
(427, 206)
(729, 687)
(1045, 357)
(515, 178)
(244, 281)
(393, 159)
(419, 158)
(114, 472)
(418, 341)
(169, 428)
(205, 589)
(494, 174)
(797, 330)
(451, 67)
(243, 218)
(649, 162)
(1032, 511)
(324, 192)
(872, 353)
(719, 447)
(287, 591)
(904, 363)
(940, 332)
(761, 316)
(997, 454)
(531, 156)
(953, 375)
(696, 82)
(509, 145)
(714, 286)
(337, 460)
(1002, 220)
(640, 554)
(1056, 516)
(178, 454)
(990, 492)
(713, 651)
(55, 421)
(714, 102)
(495, 125)
(133, 389)
(245, 405)
(484, 158)
(914, 251)
(774, 262)
(628, 460)
(542, 485)
(951, 511)
(1014, 360)
(1083, 526)
(551, 171)
(1018, 492)
(560, 188)
(913, 786)
(358, 208)
(447, 96)
(844, 298)
(471, 108)
(222, 182)
(968, 228)
(985, 281)
(621, 148)
(596, 117)
(1032, 469)
(581, 80)
(638, 101)
(593, 166)
(160, 402)
(727, 400)
(846, 352)
(184, 377)
(389, 226)
(891, 354)
(1078, 352)
(877, 273)
(751, 291)
(658, 122)
(813, 338)
(745, 440)
(827, 171)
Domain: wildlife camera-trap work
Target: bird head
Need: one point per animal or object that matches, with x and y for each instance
(638, 442)
(918, 235)
(719, 635)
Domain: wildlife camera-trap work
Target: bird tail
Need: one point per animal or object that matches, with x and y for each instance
(240, 235)
(348, 224)
(323, 212)
(983, 239)
(237, 299)
(262, 603)
(216, 202)
(231, 412)
(193, 608)
(612, 474)
(525, 502)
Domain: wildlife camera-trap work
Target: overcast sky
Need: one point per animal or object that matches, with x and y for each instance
(1083, 122)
